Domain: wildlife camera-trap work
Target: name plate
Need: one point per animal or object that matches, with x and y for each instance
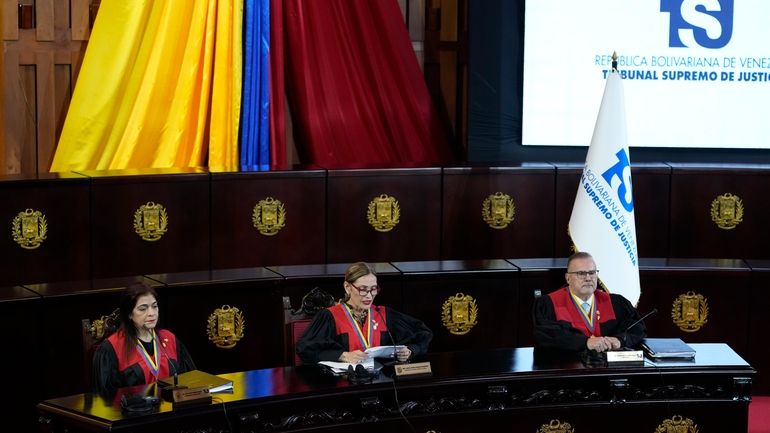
(413, 369)
(185, 396)
(625, 357)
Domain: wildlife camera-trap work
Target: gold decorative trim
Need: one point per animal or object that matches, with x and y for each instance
(383, 213)
(555, 426)
(29, 229)
(727, 211)
(677, 424)
(690, 311)
(498, 210)
(151, 221)
(225, 327)
(459, 313)
(269, 216)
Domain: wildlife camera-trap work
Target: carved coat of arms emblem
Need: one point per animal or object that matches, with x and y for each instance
(727, 211)
(225, 327)
(383, 213)
(459, 313)
(269, 216)
(677, 424)
(151, 221)
(555, 426)
(498, 210)
(29, 229)
(690, 311)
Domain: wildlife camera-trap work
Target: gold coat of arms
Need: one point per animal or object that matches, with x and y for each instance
(269, 216)
(225, 327)
(458, 314)
(690, 311)
(151, 221)
(497, 210)
(677, 424)
(383, 213)
(29, 229)
(555, 426)
(727, 211)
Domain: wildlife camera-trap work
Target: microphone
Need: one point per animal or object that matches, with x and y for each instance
(171, 366)
(625, 332)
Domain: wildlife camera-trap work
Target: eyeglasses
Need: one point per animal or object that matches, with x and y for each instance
(583, 274)
(366, 290)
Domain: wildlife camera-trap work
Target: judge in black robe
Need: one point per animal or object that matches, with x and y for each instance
(560, 323)
(344, 331)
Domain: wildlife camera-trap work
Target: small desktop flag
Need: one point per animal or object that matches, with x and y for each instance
(602, 221)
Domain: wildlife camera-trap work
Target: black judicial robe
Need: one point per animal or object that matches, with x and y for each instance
(107, 375)
(323, 341)
(553, 333)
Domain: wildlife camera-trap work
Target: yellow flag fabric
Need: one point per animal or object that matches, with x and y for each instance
(156, 88)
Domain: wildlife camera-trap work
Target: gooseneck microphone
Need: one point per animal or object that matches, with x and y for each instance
(171, 365)
(625, 332)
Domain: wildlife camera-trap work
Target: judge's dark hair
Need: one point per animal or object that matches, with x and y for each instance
(356, 271)
(128, 301)
(578, 255)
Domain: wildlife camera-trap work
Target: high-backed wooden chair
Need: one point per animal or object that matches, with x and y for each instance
(297, 321)
(93, 333)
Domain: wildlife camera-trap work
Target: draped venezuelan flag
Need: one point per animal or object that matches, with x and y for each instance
(255, 121)
(160, 86)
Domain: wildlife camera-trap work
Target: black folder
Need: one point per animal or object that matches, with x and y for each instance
(667, 348)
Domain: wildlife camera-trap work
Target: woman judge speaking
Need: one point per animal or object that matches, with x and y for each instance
(345, 330)
(138, 352)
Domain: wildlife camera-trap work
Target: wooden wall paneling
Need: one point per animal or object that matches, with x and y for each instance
(20, 314)
(37, 91)
(64, 305)
(118, 250)
(301, 279)
(695, 187)
(80, 19)
(429, 285)
(651, 189)
(65, 254)
(759, 322)
(190, 299)
(415, 237)
(465, 234)
(236, 242)
(10, 14)
(44, 20)
(537, 277)
(724, 285)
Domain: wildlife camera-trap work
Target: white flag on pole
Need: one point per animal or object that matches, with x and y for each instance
(602, 222)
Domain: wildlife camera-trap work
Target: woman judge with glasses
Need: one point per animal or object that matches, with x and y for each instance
(345, 330)
(579, 317)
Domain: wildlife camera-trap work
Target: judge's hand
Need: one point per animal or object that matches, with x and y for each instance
(602, 344)
(353, 357)
(402, 354)
(614, 342)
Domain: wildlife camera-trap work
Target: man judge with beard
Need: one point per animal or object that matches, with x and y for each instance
(579, 317)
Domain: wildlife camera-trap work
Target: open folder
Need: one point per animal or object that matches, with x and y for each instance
(198, 379)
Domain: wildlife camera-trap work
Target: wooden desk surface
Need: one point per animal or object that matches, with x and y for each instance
(473, 381)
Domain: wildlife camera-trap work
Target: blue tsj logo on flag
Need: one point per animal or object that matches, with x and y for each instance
(705, 23)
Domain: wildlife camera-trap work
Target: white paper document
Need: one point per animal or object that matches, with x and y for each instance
(383, 351)
(342, 367)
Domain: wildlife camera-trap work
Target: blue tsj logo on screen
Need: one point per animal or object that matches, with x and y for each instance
(705, 23)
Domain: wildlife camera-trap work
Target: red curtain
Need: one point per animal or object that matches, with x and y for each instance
(357, 94)
(277, 92)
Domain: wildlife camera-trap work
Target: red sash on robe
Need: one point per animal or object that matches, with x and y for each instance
(566, 310)
(344, 325)
(166, 345)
